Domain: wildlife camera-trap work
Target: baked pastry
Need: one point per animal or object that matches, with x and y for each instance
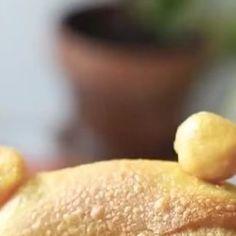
(120, 198)
(116, 198)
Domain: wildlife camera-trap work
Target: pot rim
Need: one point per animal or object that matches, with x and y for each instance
(67, 31)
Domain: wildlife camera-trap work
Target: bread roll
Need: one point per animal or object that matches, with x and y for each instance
(120, 198)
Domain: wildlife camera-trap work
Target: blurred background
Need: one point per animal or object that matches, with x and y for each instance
(90, 80)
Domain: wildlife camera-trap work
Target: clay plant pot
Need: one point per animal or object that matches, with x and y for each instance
(128, 89)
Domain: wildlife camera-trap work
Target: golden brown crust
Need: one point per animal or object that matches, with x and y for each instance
(119, 198)
(12, 172)
(208, 232)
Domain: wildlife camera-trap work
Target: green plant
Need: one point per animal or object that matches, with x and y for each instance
(173, 19)
(157, 15)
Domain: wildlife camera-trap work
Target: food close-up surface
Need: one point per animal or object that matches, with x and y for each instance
(123, 197)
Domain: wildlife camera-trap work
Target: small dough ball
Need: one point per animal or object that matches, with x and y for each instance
(206, 146)
(12, 172)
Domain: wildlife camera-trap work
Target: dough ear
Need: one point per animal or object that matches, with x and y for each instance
(12, 172)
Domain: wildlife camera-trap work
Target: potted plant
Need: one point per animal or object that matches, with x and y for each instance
(130, 66)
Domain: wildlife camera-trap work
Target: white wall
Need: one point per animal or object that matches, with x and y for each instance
(32, 93)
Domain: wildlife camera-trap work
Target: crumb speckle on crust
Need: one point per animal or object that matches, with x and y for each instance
(118, 198)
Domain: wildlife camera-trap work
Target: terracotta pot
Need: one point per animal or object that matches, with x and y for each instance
(128, 95)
